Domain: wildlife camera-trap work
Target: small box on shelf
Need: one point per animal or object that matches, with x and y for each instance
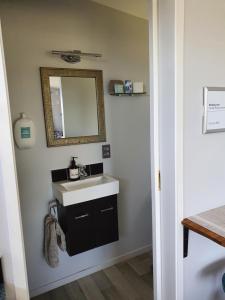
(112, 84)
(138, 87)
(118, 88)
(128, 87)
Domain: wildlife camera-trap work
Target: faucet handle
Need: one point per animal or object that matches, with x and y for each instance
(82, 170)
(81, 166)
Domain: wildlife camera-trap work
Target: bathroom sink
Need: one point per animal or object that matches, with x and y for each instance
(94, 187)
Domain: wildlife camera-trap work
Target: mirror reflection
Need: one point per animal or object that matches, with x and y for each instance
(74, 106)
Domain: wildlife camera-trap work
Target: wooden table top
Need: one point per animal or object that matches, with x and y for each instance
(210, 224)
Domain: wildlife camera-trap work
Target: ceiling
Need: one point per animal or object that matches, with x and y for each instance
(137, 8)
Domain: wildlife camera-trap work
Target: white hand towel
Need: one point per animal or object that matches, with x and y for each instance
(54, 237)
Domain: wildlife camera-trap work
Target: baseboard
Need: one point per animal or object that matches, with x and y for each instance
(89, 271)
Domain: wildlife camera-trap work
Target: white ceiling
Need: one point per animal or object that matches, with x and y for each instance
(138, 8)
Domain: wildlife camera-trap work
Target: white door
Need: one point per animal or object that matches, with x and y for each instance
(11, 235)
(166, 73)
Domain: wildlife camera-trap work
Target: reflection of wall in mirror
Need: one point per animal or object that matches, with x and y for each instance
(80, 106)
(57, 108)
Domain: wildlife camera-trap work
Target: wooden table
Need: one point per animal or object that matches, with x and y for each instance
(210, 224)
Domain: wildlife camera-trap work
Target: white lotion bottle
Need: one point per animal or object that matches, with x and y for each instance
(24, 132)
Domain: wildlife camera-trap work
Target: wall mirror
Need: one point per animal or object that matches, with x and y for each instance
(73, 106)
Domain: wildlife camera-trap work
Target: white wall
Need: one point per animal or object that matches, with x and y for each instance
(133, 7)
(11, 237)
(204, 160)
(31, 29)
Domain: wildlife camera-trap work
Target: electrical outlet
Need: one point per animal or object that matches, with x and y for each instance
(106, 152)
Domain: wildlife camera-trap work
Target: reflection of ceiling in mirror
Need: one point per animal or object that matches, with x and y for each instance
(133, 7)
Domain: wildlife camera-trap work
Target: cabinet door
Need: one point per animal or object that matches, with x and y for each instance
(106, 220)
(80, 231)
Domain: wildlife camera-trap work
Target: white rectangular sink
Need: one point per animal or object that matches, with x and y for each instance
(73, 192)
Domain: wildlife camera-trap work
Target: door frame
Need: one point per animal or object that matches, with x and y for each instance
(179, 149)
(154, 146)
(155, 157)
(14, 264)
(177, 28)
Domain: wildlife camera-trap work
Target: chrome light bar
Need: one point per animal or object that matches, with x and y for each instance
(74, 56)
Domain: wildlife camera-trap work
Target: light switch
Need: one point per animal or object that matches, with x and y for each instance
(106, 152)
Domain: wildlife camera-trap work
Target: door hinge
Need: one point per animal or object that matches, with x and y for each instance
(158, 181)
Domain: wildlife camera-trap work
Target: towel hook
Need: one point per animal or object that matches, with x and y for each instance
(51, 207)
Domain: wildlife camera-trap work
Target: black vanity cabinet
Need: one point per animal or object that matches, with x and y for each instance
(90, 224)
(79, 232)
(106, 221)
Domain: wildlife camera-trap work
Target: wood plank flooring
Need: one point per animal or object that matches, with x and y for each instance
(129, 280)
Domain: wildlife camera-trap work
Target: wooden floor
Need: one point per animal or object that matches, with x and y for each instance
(130, 280)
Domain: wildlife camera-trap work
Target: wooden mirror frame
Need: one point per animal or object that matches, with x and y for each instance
(46, 93)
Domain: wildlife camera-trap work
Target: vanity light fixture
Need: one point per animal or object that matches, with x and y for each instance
(74, 56)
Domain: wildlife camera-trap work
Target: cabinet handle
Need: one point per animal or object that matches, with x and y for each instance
(106, 209)
(82, 216)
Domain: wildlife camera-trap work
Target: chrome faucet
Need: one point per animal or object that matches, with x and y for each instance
(82, 171)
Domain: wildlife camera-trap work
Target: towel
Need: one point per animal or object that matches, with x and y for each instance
(54, 238)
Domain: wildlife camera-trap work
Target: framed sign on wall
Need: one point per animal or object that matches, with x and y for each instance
(214, 109)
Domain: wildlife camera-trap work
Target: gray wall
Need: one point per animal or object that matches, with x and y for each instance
(204, 160)
(30, 30)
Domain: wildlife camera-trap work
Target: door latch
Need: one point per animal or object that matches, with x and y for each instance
(158, 181)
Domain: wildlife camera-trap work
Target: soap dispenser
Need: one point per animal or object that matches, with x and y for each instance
(73, 170)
